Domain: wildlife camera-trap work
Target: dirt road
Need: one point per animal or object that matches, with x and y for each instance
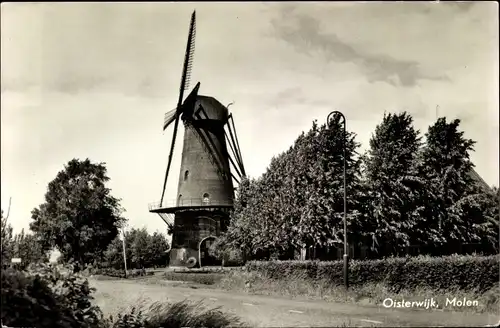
(265, 311)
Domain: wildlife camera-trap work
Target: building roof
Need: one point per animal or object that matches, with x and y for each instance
(477, 178)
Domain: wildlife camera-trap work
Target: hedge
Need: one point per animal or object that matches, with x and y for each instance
(205, 278)
(467, 273)
(120, 273)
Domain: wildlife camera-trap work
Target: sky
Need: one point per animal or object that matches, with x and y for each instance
(93, 80)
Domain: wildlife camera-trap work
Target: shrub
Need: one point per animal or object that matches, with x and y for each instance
(466, 273)
(45, 297)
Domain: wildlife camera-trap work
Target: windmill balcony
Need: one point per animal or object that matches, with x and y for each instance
(171, 206)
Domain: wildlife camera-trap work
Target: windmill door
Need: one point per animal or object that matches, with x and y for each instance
(205, 258)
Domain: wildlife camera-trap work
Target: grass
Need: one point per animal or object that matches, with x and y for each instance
(175, 315)
(299, 286)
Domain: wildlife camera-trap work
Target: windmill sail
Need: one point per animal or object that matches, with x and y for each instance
(186, 74)
(188, 59)
(169, 118)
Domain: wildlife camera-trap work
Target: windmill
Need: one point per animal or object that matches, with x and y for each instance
(205, 190)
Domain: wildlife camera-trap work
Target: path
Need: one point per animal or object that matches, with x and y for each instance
(267, 311)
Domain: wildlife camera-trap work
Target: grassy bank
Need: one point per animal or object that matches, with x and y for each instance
(300, 286)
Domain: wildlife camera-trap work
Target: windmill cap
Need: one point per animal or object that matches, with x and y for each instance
(211, 108)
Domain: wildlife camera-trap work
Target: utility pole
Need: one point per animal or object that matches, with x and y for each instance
(124, 252)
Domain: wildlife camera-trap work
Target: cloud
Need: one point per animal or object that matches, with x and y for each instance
(295, 96)
(306, 37)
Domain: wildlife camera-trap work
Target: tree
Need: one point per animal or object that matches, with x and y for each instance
(392, 182)
(29, 249)
(317, 183)
(7, 240)
(79, 216)
(239, 234)
(479, 216)
(142, 250)
(139, 248)
(446, 166)
(298, 201)
(113, 256)
(157, 248)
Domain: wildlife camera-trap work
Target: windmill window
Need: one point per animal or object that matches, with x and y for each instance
(206, 198)
(186, 174)
(179, 199)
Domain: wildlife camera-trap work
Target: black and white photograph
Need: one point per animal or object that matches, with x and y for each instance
(250, 164)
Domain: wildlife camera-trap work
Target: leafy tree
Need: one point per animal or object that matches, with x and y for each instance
(7, 240)
(450, 190)
(29, 249)
(79, 215)
(298, 201)
(392, 182)
(156, 250)
(239, 235)
(318, 188)
(479, 216)
(113, 256)
(140, 248)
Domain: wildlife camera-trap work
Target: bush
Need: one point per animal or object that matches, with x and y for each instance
(45, 297)
(450, 273)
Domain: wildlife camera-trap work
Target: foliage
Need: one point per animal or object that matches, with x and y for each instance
(393, 186)
(299, 199)
(478, 215)
(132, 319)
(110, 272)
(140, 247)
(231, 256)
(401, 192)
(7, 240)
(113, 256)
(448, 273)
(157, 247)
(22, 245)
(455, 209)
(46, 297)
(79, 216)
(176, 315)
(29, 250)
(142, 250)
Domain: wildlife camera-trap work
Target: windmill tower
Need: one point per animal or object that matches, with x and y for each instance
(205, 190)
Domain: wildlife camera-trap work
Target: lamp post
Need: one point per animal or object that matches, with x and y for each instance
(331, 116)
